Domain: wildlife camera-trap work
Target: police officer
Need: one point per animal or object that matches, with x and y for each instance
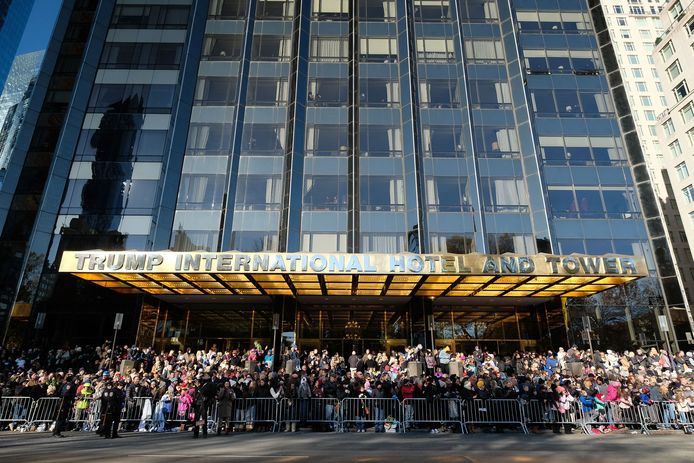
(112, 401)
(67, 397)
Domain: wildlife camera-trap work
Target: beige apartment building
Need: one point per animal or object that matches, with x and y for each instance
(635, 26)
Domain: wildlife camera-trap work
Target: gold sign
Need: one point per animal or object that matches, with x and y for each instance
(428, 264)
(307, 274)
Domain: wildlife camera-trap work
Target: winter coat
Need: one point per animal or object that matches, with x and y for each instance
(225, 398)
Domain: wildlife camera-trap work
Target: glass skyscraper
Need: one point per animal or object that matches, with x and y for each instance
(13, 19)
(332, 126)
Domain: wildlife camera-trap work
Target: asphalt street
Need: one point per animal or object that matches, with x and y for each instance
(332, 448)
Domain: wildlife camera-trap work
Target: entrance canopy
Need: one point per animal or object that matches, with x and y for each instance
(386, 275)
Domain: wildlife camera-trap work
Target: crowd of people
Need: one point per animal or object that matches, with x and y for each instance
(198, 380)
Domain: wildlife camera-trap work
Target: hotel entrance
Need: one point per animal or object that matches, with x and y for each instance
(341, 326)
(346, 328)
(499, 328)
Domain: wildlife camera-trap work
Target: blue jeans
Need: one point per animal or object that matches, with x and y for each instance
(378, 417)
(360, 422)
(303, 409)
(669, 414)
(329, 412)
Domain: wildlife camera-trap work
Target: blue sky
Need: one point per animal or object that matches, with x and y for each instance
(40, 26)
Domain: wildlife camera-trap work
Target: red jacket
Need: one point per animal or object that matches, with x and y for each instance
(407, 391)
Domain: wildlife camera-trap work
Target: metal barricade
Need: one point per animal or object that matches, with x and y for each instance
(437, 411)
(665, 415)
(386, 415)
(494, 412)
(45, 411)
(546, 413)
(15, 410)
(296, 412)
(536, 412)
(86, 413)
(613, 415)
(248, 414)
(137, 414)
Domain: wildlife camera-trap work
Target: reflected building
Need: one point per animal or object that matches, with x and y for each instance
(14, 102)
(334, 126)
(14, 15)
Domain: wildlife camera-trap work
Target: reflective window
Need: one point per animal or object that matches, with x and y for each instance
(254, 241)
(551, 61)
(141, 55)
(324, 242)
(490, 93)
(581, 151)
(266, 91)
(201, 191)
(325, 193)
(150, 17)
(222, 47)
(439, 93)
(435, 50)
(504, 194)
(330, 9)
(258, 192)
(378, 49)
(379, 92)
(271, 48)
(228, 9)
(328, 92)
(479, 10)
(132, 98)
(329, 49)
(462, 243)
(500, 243)
(215, 91)
(263, 139)
(553, 21)
(379, 140)
(484, 51)
(327, 140)
(432, 10)
(571, 103)
(209, 139)
(447, 194)
(381, 10)
(383, 242)
(443, 141)
(381, 193)
(275, 9)
(496, 142)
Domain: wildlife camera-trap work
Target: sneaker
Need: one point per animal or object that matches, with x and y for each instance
(433, 431)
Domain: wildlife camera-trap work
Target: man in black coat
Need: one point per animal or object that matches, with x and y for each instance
(204, 398)
(112, 401)
(67, 397)
(132, 394)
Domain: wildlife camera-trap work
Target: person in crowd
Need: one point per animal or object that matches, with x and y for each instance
(112, 402)
(225, 398)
